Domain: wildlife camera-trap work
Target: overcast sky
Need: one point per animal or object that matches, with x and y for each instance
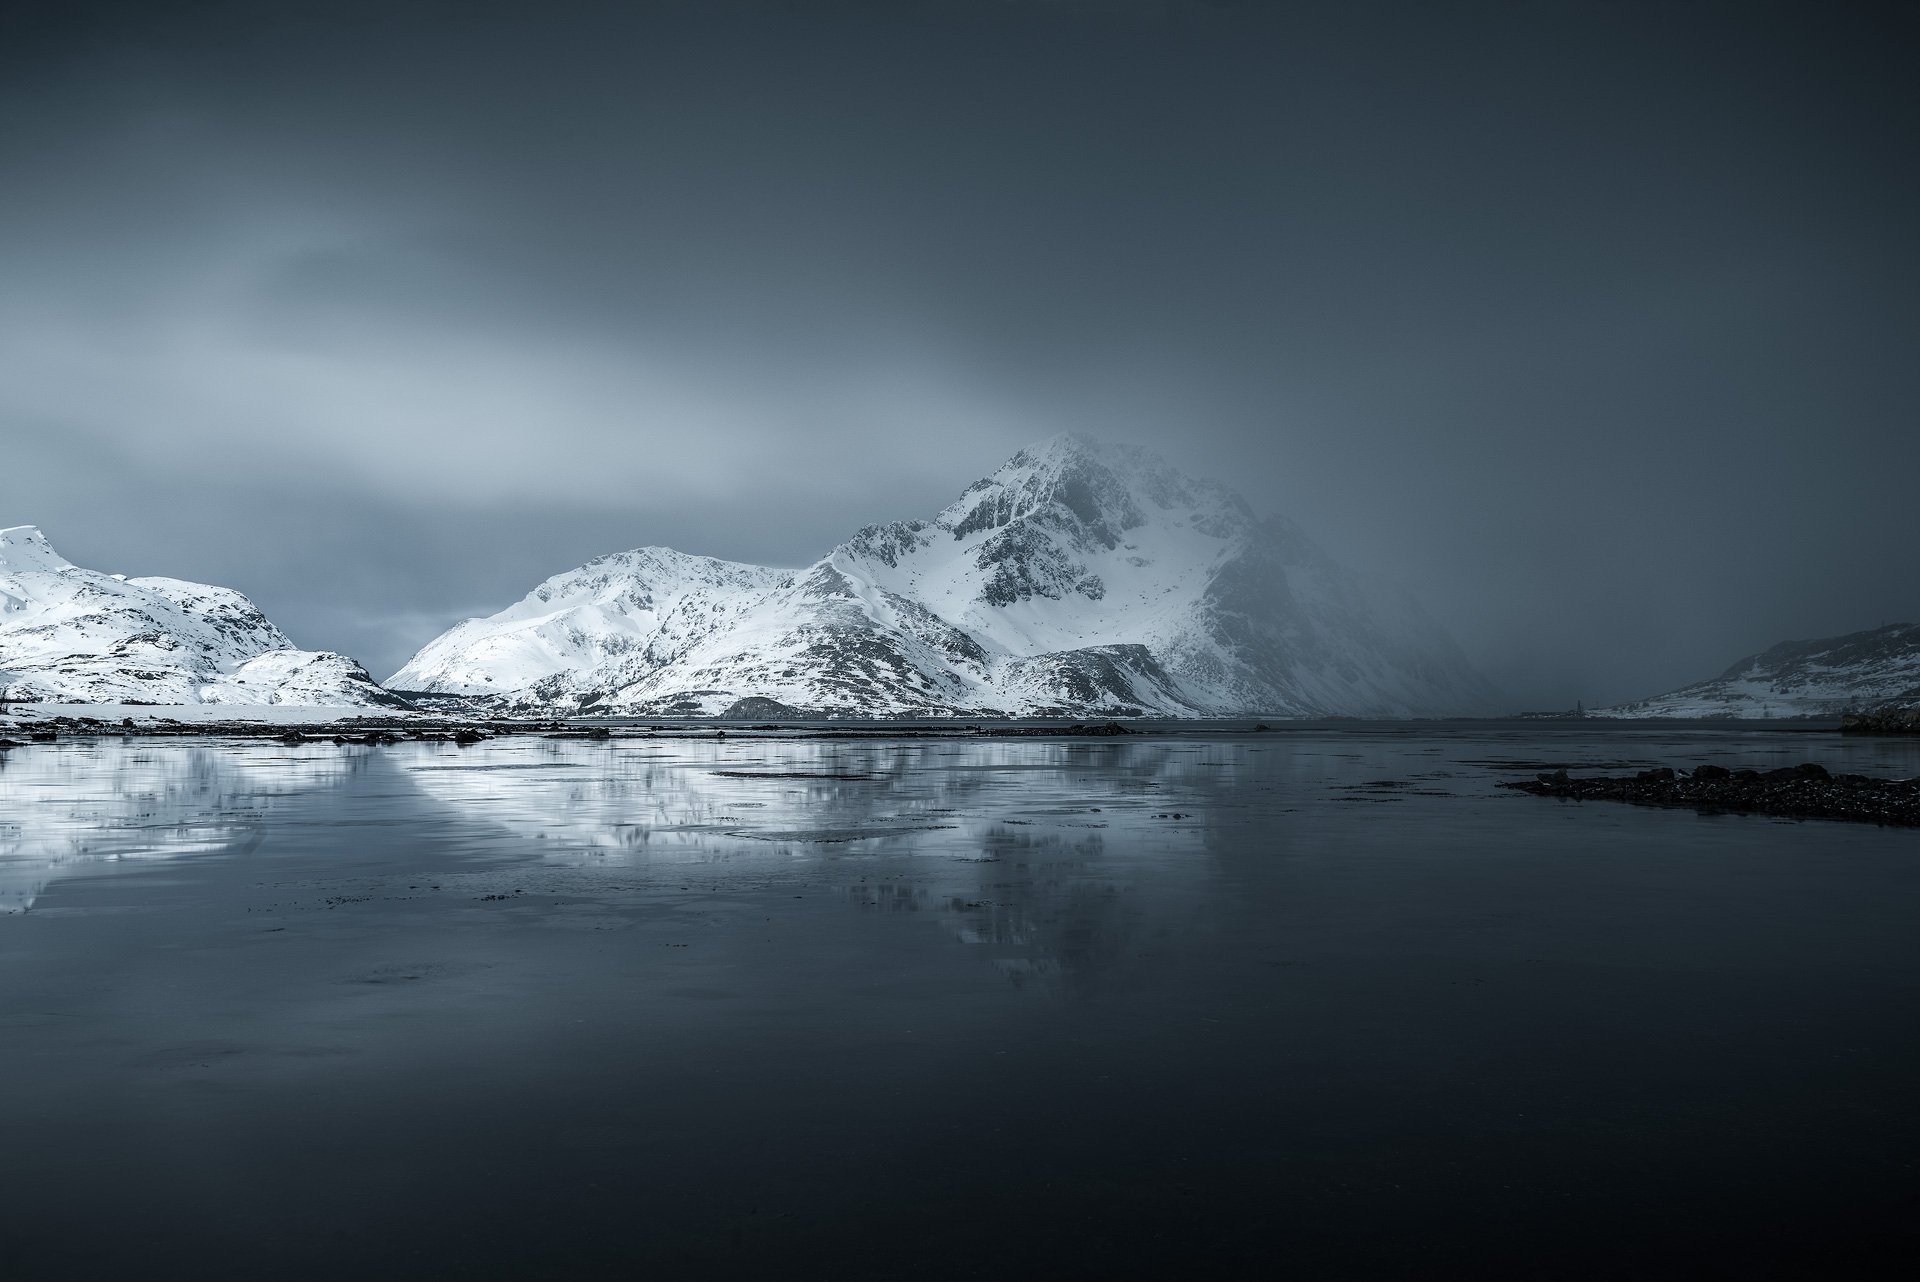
(1597, 323)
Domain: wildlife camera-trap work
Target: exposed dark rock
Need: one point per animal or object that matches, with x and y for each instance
(1806, 770)
(1077, 729)
(758, 706)
(1806, 791)
(1890, 720)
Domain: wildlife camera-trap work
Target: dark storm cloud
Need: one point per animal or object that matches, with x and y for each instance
(1593, 321)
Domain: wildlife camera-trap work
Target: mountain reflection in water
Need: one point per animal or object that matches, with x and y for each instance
(1030, 848)
(1319, 1003)
(73, 808)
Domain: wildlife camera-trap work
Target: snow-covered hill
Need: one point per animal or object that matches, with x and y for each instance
(1079, 579)
(70, 635)
(1801, 679)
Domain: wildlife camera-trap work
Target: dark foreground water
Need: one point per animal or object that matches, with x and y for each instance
(1310, 1004)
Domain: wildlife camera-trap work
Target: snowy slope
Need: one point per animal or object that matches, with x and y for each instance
(1801, 679)
(1078, 579)
(614, 620)
(70, 635)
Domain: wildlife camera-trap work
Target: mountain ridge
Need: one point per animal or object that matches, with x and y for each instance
(1078, 579)
(73, 635)
(1819, 678)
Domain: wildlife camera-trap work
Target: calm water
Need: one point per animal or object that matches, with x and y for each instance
(1319, 1004)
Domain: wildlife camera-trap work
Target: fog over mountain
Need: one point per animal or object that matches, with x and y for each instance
(1591, 323)
(1080, 579)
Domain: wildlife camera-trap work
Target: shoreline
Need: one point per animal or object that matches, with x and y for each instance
(321, 721)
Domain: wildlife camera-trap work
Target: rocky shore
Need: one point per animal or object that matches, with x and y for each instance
(1882, 721)
(374, 731)
(363, 730)
(1805, 791)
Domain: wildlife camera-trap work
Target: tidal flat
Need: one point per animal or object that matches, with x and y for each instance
(1321, 1003)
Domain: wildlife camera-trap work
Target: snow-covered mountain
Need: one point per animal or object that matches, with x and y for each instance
(1801, 679)
(70, 635)
(1079, 579)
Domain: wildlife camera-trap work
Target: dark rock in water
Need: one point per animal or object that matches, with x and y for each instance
(44, 736)
(587, 732)
(465, 737)
(761, 708)
(1805, 791)
(1077, 729)
(10, 743)
(292, 738)
(1805, 770)
(371, 739)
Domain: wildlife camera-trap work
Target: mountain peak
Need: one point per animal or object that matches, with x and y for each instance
(1075, 451)
(24, 547)
(1083, 577)
(1063, 446)
(1104, 487)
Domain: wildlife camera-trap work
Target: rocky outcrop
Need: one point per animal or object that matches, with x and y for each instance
(1805, 791)
(1892, 719)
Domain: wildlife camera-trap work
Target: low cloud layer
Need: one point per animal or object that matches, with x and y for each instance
(1593, 322)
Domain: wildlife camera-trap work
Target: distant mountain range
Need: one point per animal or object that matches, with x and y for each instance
(70, 635)
(1800, 679)
(1079, 579)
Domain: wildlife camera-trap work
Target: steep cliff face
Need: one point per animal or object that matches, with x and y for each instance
(72, 635)
(1078, 579)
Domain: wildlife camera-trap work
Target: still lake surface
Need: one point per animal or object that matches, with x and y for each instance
(1321, 1003)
